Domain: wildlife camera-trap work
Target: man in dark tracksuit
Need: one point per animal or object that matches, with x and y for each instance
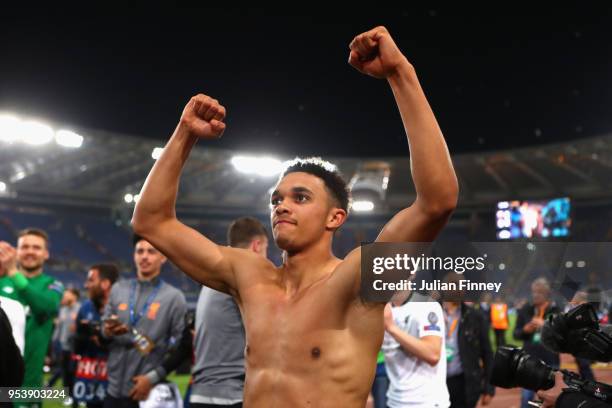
(529, 322)
(467, 345)
(156, 310)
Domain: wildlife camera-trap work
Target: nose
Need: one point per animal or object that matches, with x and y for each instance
(281, 209)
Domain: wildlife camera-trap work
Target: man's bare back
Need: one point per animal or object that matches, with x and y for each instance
(311, 341)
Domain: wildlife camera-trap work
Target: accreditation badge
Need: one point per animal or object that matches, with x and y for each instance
(450, 353)
(90, 380)
(537, 338)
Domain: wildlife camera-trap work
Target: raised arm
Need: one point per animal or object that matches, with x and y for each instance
(155, 215)
(375, 53)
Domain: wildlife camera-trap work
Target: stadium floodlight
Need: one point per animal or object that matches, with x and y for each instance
(35, 133)
(128, 198)
(136, 198)
(19, 175)
(362, 206)
(9, 128)
(156, 153)
(2, 187)
(261, 166)
(504, 234)
(68, 138)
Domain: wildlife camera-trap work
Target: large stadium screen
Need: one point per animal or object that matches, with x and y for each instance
(533, 219)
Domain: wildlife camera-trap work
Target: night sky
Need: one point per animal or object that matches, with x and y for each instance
(495, 78)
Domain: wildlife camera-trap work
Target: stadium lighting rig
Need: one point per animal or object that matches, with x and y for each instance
(156, 153)
(362, 206)
(14, 129)
(260, 166)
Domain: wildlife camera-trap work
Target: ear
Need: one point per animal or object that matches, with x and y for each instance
(254, 245)
(105, 284)
(336, 218)
(163, 259)
(46, 254)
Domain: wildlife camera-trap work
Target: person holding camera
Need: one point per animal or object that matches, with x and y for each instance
(90, 349)
(528, 328)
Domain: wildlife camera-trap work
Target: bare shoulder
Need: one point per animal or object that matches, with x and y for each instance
(346, 276)
(247, 265)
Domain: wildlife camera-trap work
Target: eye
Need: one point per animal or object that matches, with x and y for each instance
(300, 198)
(275, 200)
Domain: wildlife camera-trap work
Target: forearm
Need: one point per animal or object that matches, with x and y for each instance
(519, 332)
(415, 346)
(158, 196)
(41, 302)
(432, 170)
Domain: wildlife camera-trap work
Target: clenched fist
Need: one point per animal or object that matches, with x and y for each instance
(203, 117)
(375, 53)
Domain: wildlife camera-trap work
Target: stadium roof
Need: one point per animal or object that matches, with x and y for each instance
(108, 166)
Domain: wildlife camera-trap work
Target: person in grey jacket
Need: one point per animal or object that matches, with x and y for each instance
(143, 318)
(218, 372)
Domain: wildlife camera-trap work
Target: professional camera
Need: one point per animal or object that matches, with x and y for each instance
(513, 367)
(88, 328)
(577, 332)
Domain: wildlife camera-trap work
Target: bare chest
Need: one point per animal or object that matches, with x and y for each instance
(306, 327)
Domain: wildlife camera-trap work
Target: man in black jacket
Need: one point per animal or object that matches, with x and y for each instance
(528, 328)
(11, 362)
(469, 358)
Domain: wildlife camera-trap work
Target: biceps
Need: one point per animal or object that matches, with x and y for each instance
(347, 277)
(434, 343)
(412, 224)
(194, 254)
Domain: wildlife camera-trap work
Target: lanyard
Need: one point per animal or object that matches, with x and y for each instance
(542, 310)
(134, 318)
(452, 328)
(453, 325)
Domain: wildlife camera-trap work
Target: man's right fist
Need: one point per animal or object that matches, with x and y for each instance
(203, 117)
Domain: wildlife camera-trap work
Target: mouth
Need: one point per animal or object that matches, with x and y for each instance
(284, 222)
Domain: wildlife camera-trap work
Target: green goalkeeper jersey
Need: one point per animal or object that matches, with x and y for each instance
(41, 296)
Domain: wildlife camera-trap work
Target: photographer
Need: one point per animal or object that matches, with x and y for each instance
(90, 350)
(576, 332)
(528, 328)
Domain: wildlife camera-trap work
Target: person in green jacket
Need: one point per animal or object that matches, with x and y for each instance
(22, 279)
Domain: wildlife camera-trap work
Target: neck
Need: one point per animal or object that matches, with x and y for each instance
(147, 278)
(103, 300)
(302, 268)
(33, 273)
(451, 306)
(400, 297)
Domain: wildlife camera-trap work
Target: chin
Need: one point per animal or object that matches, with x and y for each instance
(31, 268)
(284, 243)
(287, 244)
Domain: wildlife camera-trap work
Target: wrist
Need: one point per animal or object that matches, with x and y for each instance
(153, 377)
(392, 329)
(19, 280)
(184, 131)
(403, 71)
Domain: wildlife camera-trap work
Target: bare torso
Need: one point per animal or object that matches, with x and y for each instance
(315, 348)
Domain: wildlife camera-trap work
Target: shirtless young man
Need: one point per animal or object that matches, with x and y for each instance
(311, 341)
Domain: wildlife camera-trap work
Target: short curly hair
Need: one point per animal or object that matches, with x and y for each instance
(327, 172)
